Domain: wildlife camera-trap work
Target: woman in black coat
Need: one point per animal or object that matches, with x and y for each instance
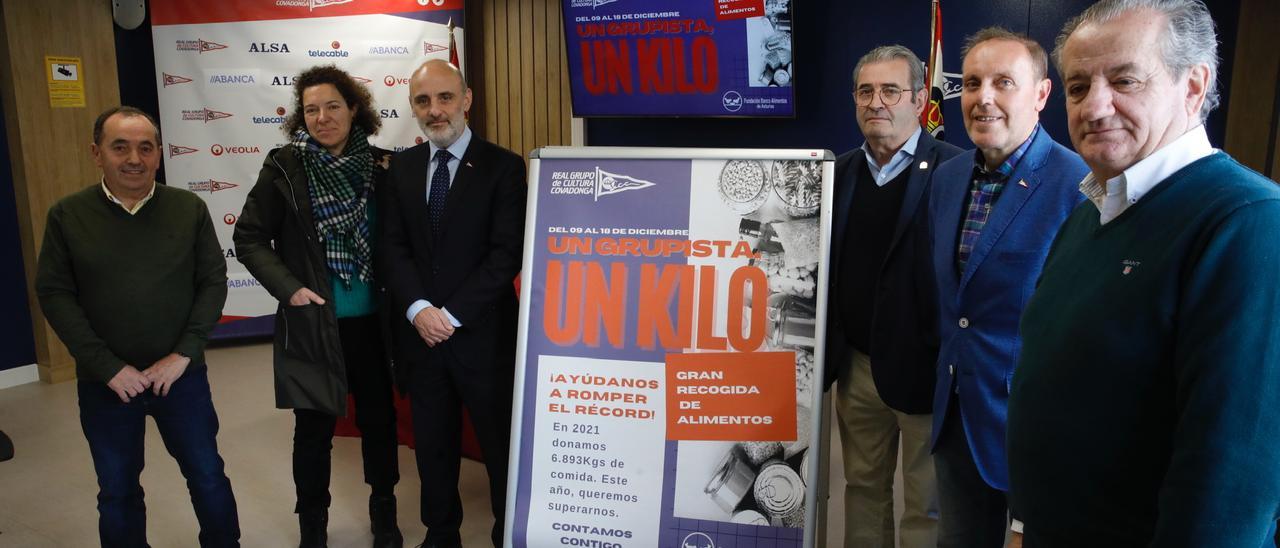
(307, 233)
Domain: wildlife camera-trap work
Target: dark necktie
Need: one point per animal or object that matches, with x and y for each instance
(439, 190)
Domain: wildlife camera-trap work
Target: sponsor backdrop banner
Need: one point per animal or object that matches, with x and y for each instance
(666, 385)
(224, 72)
(680, 57)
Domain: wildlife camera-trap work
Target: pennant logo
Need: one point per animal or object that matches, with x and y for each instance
(613, 183)
(210, 46)
(428, 48)
(210, 186)
(172, 80)
(951, 87)
(326, 3)
(204, 115)
(198, 45)
(175, 150)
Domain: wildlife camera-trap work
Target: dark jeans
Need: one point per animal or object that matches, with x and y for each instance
(972, 514)
(188, 426)
(369, 382)
(438, 391)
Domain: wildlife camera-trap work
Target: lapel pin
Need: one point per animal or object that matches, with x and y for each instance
(469, 165)
(924, 165)
(1023, 183)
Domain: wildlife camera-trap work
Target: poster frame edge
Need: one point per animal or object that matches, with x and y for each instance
(818, 428)
(522, 339)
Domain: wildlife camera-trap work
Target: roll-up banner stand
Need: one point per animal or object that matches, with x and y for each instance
(224, 78)
(668, 380)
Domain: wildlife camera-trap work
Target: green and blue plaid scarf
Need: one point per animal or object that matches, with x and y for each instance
(340, 188)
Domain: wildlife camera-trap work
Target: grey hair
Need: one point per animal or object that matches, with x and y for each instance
(889, 53)
(1039, 59)
(1188, 38)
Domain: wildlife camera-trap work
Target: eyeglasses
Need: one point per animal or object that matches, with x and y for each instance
(890, 96)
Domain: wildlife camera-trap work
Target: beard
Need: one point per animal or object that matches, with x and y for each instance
(441, 137)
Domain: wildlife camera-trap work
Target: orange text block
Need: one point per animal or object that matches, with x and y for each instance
(731, 396)
(738, 9)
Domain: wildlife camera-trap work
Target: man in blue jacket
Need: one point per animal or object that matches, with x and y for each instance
(994, 212)
(1144, 410)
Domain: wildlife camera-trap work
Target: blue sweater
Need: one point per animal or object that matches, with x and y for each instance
(1145, 410)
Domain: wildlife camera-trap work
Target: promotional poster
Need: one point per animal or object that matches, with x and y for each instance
(680, 57)
(672, 318)
(224, 78)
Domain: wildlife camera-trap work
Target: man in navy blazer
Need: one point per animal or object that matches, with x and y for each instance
(452, 244)
(881, 336)
(993, 213)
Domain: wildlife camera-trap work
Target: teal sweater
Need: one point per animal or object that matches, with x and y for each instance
(130, 289)
(357, 300)
(1145, 410)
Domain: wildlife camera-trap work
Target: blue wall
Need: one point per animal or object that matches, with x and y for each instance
(829, 39)
(17, 346)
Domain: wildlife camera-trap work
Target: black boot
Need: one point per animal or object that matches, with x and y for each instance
(6, 447)
(314, 526)
(382, 521)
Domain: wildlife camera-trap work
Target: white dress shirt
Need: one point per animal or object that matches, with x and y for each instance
(1127, 188)
(900, 160)
(137, 206)
(457, 149)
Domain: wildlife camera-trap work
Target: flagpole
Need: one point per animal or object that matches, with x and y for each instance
(931, 118)
(933, 49)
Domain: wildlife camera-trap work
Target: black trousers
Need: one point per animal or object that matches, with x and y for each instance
(369, 381)
(438, 391)
(971, 513)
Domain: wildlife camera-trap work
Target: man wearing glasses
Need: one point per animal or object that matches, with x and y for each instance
(994, 211)
(881, 332)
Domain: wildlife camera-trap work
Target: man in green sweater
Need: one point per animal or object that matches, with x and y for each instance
(132, 279)
(1146, 407)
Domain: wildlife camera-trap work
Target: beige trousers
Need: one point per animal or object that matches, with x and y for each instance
(869, 435)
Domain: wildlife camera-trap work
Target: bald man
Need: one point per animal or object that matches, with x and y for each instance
(452, 246)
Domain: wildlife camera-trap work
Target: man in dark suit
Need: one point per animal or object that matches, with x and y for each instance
(452, 243)
(994, 211)
(881, 331)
